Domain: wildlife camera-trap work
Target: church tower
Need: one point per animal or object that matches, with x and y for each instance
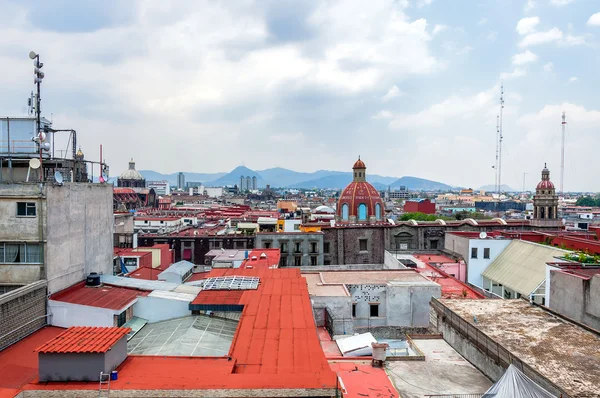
(545, 203)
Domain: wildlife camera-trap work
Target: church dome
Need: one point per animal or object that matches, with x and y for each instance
(545, 183)
(131, 173)
(360, 201)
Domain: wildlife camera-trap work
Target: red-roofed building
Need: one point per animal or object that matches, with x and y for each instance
(102, 306)
(146, 273)
(419, 206)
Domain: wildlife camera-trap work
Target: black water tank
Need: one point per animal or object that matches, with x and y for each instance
(93, 279)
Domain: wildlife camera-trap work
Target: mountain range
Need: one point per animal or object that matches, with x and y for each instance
(284, 178)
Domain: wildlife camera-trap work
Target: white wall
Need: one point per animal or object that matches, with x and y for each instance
(65, 315)
(214, 192)
(476, 266)
(549, 268)
(156, 309)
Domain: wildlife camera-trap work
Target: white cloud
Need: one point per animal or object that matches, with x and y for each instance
(594, 19)
(517, 72)
(573, 79)
(530, 5)
(492, 36)
(527, 25)
(438, 28)
(482, 21)
(524, 58)
(423, 3)
(392, 93)
(383, 115)
(549, 67)
(560, 3)
(571, 40)
(537, 38)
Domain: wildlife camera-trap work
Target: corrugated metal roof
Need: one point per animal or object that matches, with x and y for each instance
(138, 283)
(188, 297)
(179, 268)
(84, 339)
(109, 297)
(522, 266)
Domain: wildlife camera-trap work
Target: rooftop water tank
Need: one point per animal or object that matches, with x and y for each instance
(93, 279)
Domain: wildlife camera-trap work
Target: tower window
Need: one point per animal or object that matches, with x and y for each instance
(362, 245)
(345, 211)
(362, 212)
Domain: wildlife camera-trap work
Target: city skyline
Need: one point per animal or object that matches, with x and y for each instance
(415, 90)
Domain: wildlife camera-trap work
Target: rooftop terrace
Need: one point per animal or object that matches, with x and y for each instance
(563, 353)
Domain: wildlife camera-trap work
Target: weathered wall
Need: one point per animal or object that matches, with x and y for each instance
(457, 244)
(22, 312)
(576, 297)
(156, 309)
(345, 249)
(340, 309)
(276, 239)
(408, 303)
(363, 295)
(116, 355)
(21, 229)
(391, 262)
(79, 233)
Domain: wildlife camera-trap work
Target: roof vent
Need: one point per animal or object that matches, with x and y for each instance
(253, 258)
(263, 255)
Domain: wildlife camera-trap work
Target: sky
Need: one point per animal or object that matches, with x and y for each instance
(412, 86)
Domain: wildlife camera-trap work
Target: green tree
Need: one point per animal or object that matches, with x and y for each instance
(587, 201)
(418, 217)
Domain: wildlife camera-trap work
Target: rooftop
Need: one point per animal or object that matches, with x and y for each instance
(111, 297)
(83, 339)
(382, 277)
(562, 352)
(146, 273)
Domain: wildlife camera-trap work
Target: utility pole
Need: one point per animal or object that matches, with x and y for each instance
(39, 134)
(500, 139)
(562, 155)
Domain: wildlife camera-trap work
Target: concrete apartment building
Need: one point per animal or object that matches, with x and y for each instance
(298, 249)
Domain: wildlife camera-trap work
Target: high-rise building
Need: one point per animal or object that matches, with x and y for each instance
(180, 181)
(254, 187)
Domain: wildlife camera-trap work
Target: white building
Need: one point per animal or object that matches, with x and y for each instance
(177, 273)
(156, 224)
(213, 192)
(161, 188)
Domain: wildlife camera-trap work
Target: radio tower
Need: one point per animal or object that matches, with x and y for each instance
(500, 137)
(496, 165)
(562, 154)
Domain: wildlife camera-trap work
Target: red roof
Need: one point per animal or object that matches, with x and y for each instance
(545, 184)
(147, 273)
(84, 339)
(110, 297)
(257, 260)
(357, 193)
(359, 164)
(217, 297)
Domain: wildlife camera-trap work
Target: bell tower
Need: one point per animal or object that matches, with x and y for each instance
(545, 203)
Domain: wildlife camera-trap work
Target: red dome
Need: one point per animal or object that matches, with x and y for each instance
(360, 200)
(359, 164)
(545, 184)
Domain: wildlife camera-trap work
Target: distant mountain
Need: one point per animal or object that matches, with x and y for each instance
(279, 177)
(420, 184)
(233, 178)
(151, 175)
(492, 188)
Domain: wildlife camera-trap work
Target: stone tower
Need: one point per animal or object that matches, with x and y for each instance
(545, 203)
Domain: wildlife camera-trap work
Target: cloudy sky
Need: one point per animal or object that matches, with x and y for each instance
(411, 85)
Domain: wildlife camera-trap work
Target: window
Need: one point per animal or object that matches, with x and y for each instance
(362, 212)
(362, 245)
(121, 318)
(345, 211)
(326, 262)
(282, 261)
(296, 227)
(298, 261)
(267, 245)
(239, 245)
(374, 310)
(473, 252)
(313, 247)
(298, 247)
(28, 253)
(325, 247)
(433, 244)
(283, 247)
(313, 260)
(486, 252)
(378, 211)
(353, 310)
(26, 209)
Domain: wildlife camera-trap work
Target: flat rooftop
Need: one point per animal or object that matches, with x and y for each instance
(105, 296)
(444, 371)
(373, 277)
(562, 352)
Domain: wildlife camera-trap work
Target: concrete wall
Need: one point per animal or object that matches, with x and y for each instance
(457, 244)
(156, 309)
(22, 312)
(65, 315)
(340, 309)
(408, 303)
(116, 355)
(576, 297)
(70, 367)
(21, 229)
(363, 296)
(79, 233)
(391, 262)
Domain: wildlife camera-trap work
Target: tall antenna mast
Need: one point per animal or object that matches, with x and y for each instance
(562, 154)
(500, 140)
(496, 188)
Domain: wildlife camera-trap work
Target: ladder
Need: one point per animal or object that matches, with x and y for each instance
(104, 387)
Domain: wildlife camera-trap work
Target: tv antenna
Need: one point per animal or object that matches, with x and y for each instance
(34, 164)
(562, 154)
(500, 138)
(58, 178)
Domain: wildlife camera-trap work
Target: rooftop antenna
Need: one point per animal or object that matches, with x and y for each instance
(562, 154)
(495, 167)
(500, 140)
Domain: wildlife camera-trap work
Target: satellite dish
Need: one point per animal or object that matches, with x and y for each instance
(58, 178)
(34, 163)
(482, 235)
